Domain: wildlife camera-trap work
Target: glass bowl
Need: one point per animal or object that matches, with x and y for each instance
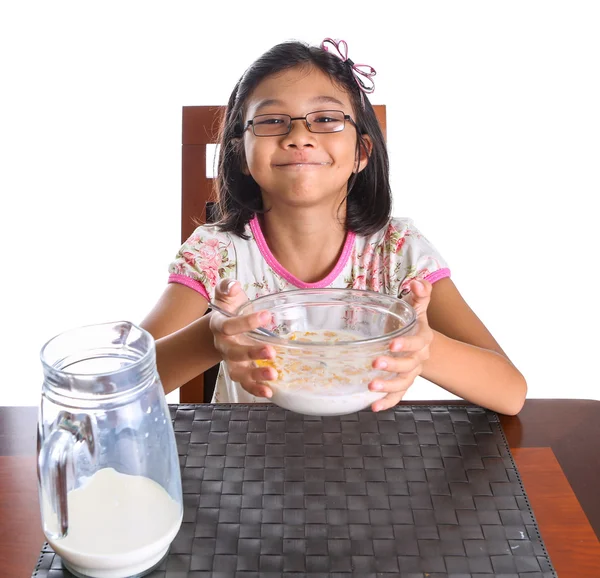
(327, 340)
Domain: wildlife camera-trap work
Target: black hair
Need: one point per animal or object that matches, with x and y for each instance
(368, 201)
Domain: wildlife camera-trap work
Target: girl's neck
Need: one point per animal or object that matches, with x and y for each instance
(306, 242)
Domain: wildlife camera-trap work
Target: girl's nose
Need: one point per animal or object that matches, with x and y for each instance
(299, 135)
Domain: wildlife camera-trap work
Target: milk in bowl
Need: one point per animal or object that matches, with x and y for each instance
(327, 341)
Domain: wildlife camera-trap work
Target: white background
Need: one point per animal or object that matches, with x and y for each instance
(493, 131)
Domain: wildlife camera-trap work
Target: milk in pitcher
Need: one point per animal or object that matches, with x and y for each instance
(119, 525)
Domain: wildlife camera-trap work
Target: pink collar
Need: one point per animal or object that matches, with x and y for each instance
(282, 272)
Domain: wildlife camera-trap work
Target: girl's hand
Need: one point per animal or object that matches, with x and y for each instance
(239, 351)
(414, 347)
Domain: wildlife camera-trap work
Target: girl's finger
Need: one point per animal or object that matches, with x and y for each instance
(397, 384)
(264, 373)
(257, 388)
(397, 364)
(249, 373)
(388, 401)
(261, 352)
(234, 352)
(238, 325)
(410, 343)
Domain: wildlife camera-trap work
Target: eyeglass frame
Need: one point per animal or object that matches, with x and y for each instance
(250, 123)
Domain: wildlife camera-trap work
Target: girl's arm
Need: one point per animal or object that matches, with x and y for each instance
(464, 357)
(184, 342)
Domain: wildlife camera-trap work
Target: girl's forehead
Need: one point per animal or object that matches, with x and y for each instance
(297, 88)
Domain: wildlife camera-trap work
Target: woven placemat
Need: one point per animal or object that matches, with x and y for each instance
(416, 492)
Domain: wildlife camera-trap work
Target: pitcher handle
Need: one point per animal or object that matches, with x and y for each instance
(53, 462)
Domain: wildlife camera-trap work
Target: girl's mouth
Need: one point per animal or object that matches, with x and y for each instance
(300, 165)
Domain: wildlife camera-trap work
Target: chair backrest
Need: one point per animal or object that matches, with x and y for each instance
(200, 128)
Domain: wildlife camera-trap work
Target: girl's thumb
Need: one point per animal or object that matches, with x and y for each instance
(226, 291)
(420, 294)
(225, 285)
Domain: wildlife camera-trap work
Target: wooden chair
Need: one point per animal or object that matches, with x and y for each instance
(200, 128)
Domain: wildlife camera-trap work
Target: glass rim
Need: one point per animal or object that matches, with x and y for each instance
(313, 345)
(46, 364)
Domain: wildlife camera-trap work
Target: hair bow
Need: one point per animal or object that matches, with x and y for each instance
(363, 73)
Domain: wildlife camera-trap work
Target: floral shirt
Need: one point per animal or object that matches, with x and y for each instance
(386, 262)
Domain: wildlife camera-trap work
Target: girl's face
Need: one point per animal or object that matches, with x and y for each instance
(301, 168)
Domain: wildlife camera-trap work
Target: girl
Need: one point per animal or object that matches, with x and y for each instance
(304, 201)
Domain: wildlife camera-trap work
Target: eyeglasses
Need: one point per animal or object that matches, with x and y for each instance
(320, 121)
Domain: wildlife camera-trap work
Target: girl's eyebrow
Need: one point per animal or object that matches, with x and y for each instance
(316, 100)
(327, 99)
(268, 102)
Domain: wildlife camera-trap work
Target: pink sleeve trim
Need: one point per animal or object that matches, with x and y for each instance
(191, 283)
(285, 274)
(437, 275)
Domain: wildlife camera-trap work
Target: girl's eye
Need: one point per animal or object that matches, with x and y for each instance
(325, 119)
(271, 121)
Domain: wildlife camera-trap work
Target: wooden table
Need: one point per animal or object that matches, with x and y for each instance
(555, 443)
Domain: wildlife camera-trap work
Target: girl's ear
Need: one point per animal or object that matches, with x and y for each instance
(364, 152)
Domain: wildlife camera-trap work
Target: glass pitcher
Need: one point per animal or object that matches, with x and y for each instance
(108, 470)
